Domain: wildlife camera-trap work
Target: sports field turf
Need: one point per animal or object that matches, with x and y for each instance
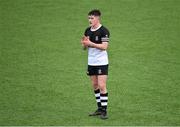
(43, 67)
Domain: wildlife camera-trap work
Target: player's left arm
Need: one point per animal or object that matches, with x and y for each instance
(102, 46)
(88, 43)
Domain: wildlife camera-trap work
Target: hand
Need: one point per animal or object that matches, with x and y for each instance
(85, 41)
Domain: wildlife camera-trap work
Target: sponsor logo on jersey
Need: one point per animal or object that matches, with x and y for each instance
(96, 38)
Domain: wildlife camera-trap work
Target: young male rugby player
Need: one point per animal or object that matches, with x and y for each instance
(96, 39)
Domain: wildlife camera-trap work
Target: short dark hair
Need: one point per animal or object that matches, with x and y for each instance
(95, 12)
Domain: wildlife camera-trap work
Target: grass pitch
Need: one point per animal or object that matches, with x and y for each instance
(43, 68)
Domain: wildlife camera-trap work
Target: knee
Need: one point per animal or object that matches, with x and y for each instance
(103, 88)
(95, 85)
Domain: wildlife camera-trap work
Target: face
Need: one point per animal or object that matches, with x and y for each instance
(93, 20)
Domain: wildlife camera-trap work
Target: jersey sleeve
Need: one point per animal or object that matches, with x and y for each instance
(105, 35)
(86, 32)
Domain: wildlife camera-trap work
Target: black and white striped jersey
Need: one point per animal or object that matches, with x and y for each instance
(96, 56)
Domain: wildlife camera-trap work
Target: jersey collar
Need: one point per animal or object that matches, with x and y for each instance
(96, 28)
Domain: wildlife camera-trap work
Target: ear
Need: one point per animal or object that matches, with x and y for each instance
(98, 17)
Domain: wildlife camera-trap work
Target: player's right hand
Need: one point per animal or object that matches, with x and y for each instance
(84, 38)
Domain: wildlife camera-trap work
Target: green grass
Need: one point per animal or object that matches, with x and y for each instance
(43, 68)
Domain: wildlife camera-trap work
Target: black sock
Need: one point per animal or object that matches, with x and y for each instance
(97, 95)
(104, 101)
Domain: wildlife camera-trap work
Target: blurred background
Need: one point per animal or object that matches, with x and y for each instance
(43, 67)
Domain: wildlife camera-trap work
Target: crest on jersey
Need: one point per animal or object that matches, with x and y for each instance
(96, 38)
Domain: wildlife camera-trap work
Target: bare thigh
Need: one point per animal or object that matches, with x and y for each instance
(94, 81)
(102, 83)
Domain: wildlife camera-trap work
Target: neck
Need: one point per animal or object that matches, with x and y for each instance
(96, 26)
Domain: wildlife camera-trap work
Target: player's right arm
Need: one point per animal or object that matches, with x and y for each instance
(85, 38)
(82, 40)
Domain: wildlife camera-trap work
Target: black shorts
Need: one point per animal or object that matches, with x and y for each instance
(97, 70)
